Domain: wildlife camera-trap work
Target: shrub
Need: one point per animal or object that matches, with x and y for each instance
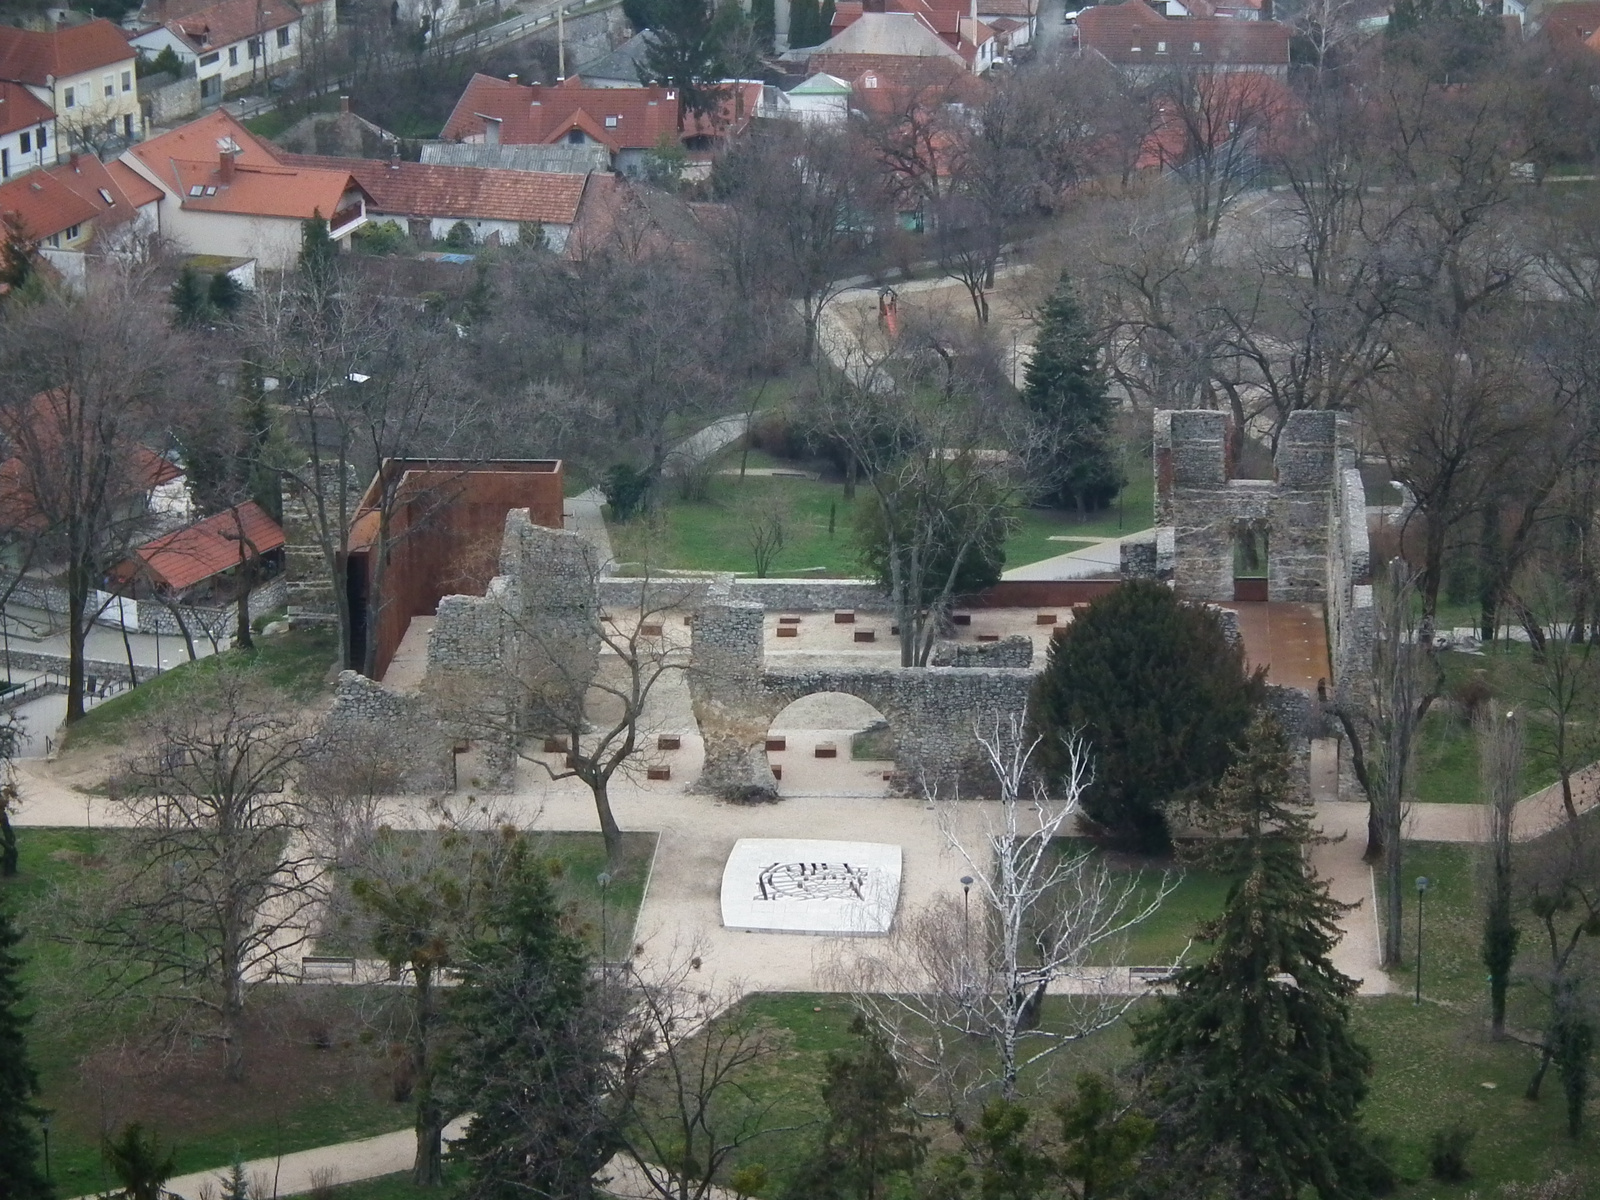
(1447, 1152)
(1160, 695)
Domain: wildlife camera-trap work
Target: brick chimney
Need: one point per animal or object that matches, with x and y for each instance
(344, 104)
(873, 6)
(1266, 10)
(225, 166)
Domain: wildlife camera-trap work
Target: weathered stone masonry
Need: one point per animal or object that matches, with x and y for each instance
(930, 710)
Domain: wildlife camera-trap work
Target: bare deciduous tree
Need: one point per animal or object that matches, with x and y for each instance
(223, 871)
(1381, 714)
(959, 985)
(1500, 768)
(706, 1093)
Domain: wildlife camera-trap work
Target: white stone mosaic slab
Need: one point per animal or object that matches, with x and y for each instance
(792, 885)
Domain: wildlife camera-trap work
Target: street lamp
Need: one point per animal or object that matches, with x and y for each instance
(966, 940)
(1422, 890)
(604, 880)
(44, 1128)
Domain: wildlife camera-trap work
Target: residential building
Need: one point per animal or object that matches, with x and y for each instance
(821, 98)
(561, 158)
(76, 204)
(225, 192)
(428, 200)
(208, 562)
(1142, 42)
(955, 24)
(1015, 20)
(83, 72)
(629, 122)
(234, 44)
(1574, 21)
(27, 131)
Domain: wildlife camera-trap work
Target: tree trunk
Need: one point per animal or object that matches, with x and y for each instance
(427, 1169)
(1374, 849)
(609, 829)
(1394, 902)
(77, 603)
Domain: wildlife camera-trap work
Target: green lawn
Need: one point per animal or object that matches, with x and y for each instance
(295, 663)
(314, 1077)
(1197, 896)
(576, 861)
(1447, 753)
(713, 535)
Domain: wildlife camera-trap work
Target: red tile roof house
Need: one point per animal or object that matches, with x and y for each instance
(27, 131)
(78, 204)
(83, 72)
(225, 192)
(200, 563)
(428, 199)
(231, 43)
(1140, 41)
(956, 24)
(629, 122)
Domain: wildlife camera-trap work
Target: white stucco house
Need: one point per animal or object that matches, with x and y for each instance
(225, 192)
(234, 44)
(823, 99)
(27, 131)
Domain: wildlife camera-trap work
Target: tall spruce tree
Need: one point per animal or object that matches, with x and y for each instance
(1066, 389)
(1160, 695)
(1251, 1058)
(532, 1062)
(20, 1175)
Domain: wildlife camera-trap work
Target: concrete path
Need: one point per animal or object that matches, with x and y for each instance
(581, 514)
(292, 1174)
(698, 447)
(1104, 557)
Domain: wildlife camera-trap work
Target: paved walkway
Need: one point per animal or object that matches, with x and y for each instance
(1104, 557)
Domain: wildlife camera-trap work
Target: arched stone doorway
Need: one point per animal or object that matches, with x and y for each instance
(831, 743)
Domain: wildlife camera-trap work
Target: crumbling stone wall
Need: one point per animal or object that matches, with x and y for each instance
(403, 730)
(930, 710)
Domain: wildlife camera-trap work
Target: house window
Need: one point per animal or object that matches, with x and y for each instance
(611, 122)
(25, 141)
(54, 239)
(127, 81)
(575, 137)
(44, 140)
(1197, 47)
(1161, 47)
(72, 232)
(233, 56)
(210, 60)
(5, 163)
(69, 98)
(283, 37)
(108, 84)
(254, 46)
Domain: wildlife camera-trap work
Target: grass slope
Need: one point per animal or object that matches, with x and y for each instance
(295, 663)
(713, 534)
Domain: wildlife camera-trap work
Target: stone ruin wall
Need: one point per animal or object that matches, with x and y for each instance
(930, 710)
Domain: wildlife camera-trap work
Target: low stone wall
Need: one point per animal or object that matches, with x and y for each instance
(1015, 651)
(392, 731)
(98, 668)
(774, 595)
(158, 618)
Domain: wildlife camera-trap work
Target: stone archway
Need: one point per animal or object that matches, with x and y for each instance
(931, 709)
(831, 743)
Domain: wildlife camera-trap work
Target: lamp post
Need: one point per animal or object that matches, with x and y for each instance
(966, 944)
(604, 880)
(1422, 890)
(44, 1128)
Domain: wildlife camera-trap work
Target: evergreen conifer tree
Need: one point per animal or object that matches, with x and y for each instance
(20, 1175)
(188, 295)
(1159, 694)
(531, 1063)
(870, 1134)
(318, 252)
(1065, 387)
(1251, 1058)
